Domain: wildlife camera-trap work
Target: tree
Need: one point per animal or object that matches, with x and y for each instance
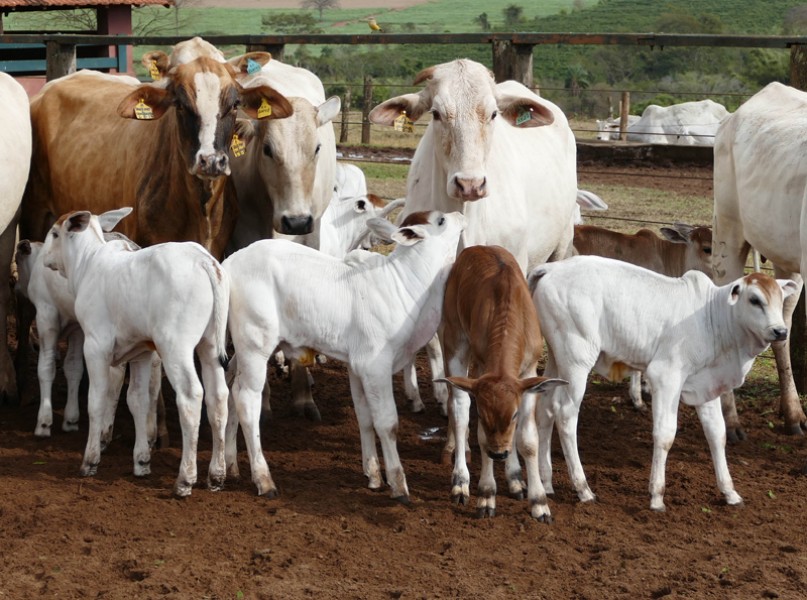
(483, 21)
(319, 5)
(290, 23)
(512, 15)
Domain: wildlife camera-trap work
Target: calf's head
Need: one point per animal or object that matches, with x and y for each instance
(466, 109)
(757, 300)
(497, 403)
(204, 96)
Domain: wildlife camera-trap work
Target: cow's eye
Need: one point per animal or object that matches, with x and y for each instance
(435, 114)
(494, 114)
(515, 415)
(316, 152)
(707, 251)
(55, 234)
(267, 150)
(755, 301)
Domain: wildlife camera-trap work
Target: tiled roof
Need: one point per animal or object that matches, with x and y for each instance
(77, 3)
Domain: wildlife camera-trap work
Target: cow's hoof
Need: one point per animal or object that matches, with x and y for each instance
(735, 435)
(794, 429)
(485, 512)
(403, 500)
(310, 412)
(183, 489)
(88, 469)
(270, 494)
(545, 519)
(70, 426)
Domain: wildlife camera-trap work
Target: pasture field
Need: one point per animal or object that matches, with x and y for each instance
(115, 536)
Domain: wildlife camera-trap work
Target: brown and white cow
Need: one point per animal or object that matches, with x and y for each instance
(684, 248)
(489, 320)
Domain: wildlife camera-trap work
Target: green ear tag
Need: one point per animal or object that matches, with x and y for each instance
(524, 115)
(143, 111)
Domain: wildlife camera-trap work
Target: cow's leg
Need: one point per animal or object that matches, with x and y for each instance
(565, 406)
(157, 400)
(231, 432)
(97, 397)
(73, 372)
(8, 379)
(527, 444)
(434, 351)
(302, 400)
(545, 420)
(376, 380)
(137, 398)
(636, 391)
(181, 372)
(516, 486)
(216, 394)
(25, 314)
(246, 393)
(790, 404)
(714, 428)
(369, 454)
(48, 327)
(411, 390)
(666, 396)
(116, 377)
(486, 490)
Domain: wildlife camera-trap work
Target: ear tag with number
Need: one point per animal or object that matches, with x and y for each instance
(253, 66)
(143, 111)
(238, 146)
(524, 115)
(265, 109)
(154, 72)
(403, 123)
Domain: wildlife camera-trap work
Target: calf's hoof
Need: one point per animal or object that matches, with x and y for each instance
(215, 484)
(484, 512)
(182, 488)
(88, 469)
(310, 412)
(270, 494)
(735, 435)
(142, 468)
(403, 500)
(70, 426)
(42, 431)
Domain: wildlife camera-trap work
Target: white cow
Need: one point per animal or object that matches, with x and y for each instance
(687, 124)
(15, 160)
(172, 298)
(373, 312)
(608, 129)
(692, 339)
(760, 186)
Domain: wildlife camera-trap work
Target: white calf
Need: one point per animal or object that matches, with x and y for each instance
(692, 339)
(171, 298)
(371, 311)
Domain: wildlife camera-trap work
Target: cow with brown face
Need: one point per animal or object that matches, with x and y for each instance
(489, 320)
(160, 148)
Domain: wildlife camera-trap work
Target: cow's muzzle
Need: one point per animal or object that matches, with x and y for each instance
(779, 334)
(298, 225)
(470, 188)
(498, 455)
(212, 165)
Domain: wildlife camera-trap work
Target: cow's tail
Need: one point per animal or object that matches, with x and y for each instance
(534, 276)
(220, 284)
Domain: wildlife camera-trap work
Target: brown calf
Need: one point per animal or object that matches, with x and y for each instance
(489, 321)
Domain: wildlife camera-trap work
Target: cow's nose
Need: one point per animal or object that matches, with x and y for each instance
(214, 165)
(296, 225)
(471, 188)
(780, 333)
(498, 455)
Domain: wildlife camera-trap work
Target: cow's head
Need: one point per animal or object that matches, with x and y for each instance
(466, 109)
(497, 400)
(757, 301)
(203, 97)
(698, 239)
(289, 151)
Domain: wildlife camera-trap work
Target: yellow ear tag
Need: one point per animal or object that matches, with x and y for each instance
(154, 71)
(238, 146)
(265, 109)
(143, 111)
(403, 123)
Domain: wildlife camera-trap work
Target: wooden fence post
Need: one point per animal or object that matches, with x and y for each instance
(798, 330)
(345, 117)
(60, 59)
(624, 111)
(276, 50)
(365, 109)
(512, 61)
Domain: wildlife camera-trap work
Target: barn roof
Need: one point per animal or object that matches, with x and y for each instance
(44, 4)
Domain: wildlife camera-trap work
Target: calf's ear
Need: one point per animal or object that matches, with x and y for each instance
(788, 287)
(381, 228)
(24, 247)
(466, 384)
(110, 218)
(410, 235)
(540, 384)
(78, 221)
(736, 289)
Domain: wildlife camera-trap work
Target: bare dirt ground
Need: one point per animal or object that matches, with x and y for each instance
(115, 536)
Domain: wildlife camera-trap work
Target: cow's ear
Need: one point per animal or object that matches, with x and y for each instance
(376, 201)
(78, 221)
(466, 384)
(673, 235)
(734, 295)
(413, 105)
(24, 248)
(250, 63)
(145, 103)
(360, 206)
(265, 102)
(381, 228)
(111, 218)
(788, 287)
(540, 384)
(522, 111)
(246, 129)
(410, 235)
(328, 110)
(156, 63)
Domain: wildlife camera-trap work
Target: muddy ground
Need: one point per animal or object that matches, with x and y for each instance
(114, 536)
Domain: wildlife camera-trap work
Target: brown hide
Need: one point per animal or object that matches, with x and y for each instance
(487, 309)
(88, 157)
(645, 248)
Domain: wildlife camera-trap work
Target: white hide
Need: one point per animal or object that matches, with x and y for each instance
(608, 129)
(761, 199)
(15, 161)
(692, 339)
(171, 298)
(687, 124)
(373, 312)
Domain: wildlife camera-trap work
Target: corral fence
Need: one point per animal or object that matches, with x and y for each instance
(512, 58)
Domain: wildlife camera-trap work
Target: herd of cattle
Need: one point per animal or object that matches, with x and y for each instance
(202, 171)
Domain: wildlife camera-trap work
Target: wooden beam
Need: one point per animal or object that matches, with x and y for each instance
(61, 60)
